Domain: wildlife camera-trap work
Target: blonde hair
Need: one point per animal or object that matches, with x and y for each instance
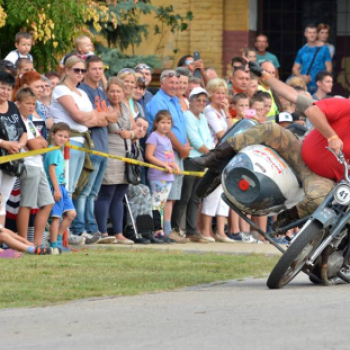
(297, 81)
(79, 40)
(115, 81)
(69, 63)
(125, 72)
(215, 84)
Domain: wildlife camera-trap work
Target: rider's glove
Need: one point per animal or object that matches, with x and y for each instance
(255, 68)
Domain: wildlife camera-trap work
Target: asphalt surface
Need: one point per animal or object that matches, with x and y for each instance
(232, 315)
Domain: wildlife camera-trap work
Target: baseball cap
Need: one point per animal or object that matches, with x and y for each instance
(284, 117)
(198, 91)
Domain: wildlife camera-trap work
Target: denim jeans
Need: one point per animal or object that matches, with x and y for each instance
(76, 163)
(85, 203)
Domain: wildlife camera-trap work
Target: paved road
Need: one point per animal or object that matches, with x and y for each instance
(232, 315)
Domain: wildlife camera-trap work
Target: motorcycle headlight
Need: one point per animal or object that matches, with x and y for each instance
(342, 194)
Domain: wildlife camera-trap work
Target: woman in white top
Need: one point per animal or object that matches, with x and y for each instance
(213, 205)
(72, 106)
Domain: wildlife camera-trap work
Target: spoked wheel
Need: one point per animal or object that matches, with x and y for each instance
(294, 259)
(208, 184)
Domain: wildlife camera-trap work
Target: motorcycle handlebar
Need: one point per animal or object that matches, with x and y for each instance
(341, 159)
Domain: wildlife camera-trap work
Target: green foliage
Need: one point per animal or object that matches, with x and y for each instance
(116, 60)
(67, 16)
(129, 31)
(170, 21)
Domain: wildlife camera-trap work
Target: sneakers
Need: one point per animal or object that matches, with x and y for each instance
(178, 237)
(75, 240)
(248, 238)
(90, 239)
(235, 236)
(47, 251)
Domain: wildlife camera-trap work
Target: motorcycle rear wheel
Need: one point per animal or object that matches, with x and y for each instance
(294, 259)
(208, 184)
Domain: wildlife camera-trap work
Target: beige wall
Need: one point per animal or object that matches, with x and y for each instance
(220, 29)
(204, 33)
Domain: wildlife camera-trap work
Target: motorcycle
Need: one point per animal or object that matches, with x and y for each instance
(257, 181)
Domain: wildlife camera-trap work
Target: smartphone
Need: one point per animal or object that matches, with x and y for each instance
(196, 55)
(250, 113)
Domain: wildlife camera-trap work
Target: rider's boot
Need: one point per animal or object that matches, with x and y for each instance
(285, 218)
(215, 157)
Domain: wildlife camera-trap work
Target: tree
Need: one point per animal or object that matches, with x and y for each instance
(53, 24)
(56, 24)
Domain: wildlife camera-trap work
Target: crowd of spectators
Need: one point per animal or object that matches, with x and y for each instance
(186, 118)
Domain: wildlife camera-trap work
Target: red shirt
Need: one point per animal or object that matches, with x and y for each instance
(315, 155)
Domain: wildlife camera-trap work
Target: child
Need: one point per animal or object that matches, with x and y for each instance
(35, 189)
(284, 119)
(83, 49)
(258, 104)
(14, 241)
(24, 65)
(54, 167)
(268, 103)
(159, 151)
(240, 104)
(23, 46)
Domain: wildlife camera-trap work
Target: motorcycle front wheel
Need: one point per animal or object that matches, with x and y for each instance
(294, 259)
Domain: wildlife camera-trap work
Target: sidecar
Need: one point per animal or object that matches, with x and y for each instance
(259, 182)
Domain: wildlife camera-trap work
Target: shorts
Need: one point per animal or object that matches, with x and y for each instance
(175, 193)
(213, 204)
(65, 204)
(35, 189)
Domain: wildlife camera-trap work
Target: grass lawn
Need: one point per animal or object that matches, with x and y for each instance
(42, 280)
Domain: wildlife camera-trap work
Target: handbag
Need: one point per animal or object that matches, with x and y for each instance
(132, 171)
(14, 167)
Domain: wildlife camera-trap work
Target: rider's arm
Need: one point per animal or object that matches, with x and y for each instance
(276, 85)
(320, 122)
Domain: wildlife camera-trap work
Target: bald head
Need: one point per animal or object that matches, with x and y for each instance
(269, 67)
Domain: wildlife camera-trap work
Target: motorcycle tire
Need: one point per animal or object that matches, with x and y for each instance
(208, 184)
(293, 260)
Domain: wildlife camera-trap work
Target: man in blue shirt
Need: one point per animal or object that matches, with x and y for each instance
(85, 223)
(312, 59)
(165, 99)
(261, 44)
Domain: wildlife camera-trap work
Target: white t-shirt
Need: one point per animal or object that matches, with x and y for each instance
(216, 121)
(32, 133)
(60, 114)
(14, 55)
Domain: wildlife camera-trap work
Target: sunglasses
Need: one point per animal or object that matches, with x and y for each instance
(79, 70)
(142, 67)
(126, 70)
(170, 75)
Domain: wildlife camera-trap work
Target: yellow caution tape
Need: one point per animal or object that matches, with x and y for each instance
(17, 156)
(134, 161)
(9, 158)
